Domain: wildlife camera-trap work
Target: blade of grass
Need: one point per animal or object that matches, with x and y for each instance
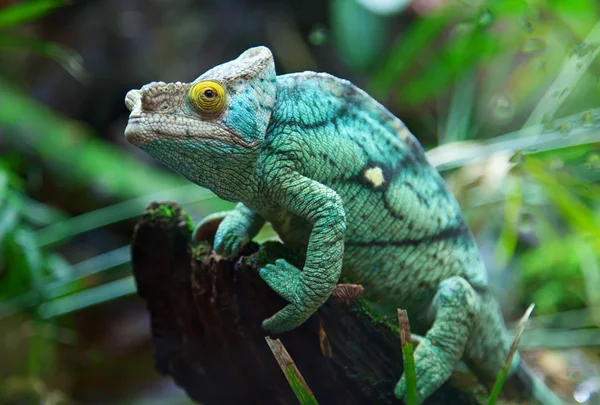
(9, 219)
(591, 273)
(63, 230)
(458, 154)
(3, 185)
(40, 214)
(42, 348)
(86, 268)
(559, 339)
(292, 374)
(459, 114)
(27, 10)
(579, 215)
(90, 297)
(13, 306)
(507, 362)
(66, 148)
(571, 72)
(31, 258)
(408, 359)
(405, 51)
(70, 60)
(573, 319)
(57, 267)
(507, 241)
(461, 53)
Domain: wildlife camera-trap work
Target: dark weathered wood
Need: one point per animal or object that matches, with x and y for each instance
(206, 315)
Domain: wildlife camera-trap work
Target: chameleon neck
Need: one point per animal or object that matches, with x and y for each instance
(230, 173)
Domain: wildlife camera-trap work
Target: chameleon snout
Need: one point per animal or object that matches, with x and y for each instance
(133, 131)
(133, 100)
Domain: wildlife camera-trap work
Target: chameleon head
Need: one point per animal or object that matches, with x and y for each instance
(196, 128)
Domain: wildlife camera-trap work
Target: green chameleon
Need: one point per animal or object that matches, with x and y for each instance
(337, 174)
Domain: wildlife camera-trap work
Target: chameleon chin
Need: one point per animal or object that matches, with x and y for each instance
(340, 176)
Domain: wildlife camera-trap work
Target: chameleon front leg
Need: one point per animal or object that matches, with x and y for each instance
(308, 289)
(454, 309)
(236, 228)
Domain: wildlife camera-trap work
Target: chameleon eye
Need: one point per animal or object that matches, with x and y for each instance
(207, 97)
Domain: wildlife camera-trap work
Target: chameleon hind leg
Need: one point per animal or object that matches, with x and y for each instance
(453, 310)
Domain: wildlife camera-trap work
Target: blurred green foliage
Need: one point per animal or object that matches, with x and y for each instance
(503, 94)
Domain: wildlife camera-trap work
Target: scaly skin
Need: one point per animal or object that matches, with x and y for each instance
(337, 174)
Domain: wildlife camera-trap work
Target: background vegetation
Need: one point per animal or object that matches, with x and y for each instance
(504, 95)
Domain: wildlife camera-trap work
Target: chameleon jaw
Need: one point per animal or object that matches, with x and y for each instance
(134, 132)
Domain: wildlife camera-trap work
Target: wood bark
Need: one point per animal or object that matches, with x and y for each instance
(206, 314)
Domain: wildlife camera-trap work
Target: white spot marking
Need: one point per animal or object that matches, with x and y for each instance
(375, 176)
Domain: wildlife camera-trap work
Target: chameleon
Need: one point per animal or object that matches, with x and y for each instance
(338, 175)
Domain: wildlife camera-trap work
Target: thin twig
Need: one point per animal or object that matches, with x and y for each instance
(292, 374)
(513, 349)
(408, 359)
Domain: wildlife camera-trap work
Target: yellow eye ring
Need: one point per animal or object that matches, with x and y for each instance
(207, 97)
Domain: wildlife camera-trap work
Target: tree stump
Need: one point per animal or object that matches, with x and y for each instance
(206, 313)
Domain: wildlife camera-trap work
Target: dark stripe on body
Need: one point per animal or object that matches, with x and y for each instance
(343, 110)
(451, 233)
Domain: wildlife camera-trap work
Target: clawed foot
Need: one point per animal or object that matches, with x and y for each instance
(433, 368)
(286, 280)
(228, 230)
(229, 242)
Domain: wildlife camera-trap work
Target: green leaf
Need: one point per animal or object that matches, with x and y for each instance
(508, 361)
(75, 157)
(417, 38)
(408, 358)
(38, 214)
(461, 105)
(579, 215)
(30, 258)
(95, 265)
(292, 374)
(93, 296)
(42, 349)
(507, 241)
(70, 60)
(16, 278)
(463, 52)
(14, 305)
(26, 11)
(63, 230)
(573, 69)
(560, 339)
(9, 217)
(3, 186)
(58, 267)
(529, 140)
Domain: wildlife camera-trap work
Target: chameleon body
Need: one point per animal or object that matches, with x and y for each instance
(340, 176)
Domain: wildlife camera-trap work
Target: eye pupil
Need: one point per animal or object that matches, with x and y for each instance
(207, 97)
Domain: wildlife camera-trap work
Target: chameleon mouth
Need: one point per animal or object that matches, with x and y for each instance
(133, 131)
